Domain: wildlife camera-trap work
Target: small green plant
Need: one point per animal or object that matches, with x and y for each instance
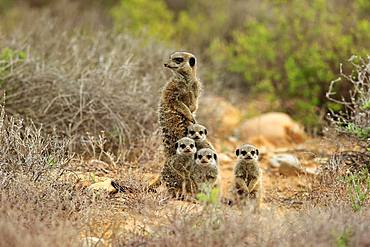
(92, 177)
(359, 132)
(343, 238)
(52, 162)
(209, 195)
(358, 184)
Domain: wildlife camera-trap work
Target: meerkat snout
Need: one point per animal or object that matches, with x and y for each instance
(181, 62)
(206, 156)
(247, 152)
(197, 132)
(185, 146)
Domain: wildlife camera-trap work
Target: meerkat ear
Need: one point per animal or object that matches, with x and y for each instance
(205, 131)
(192, 61)
(195, 156)
(176, 145)
(257, 152)
(215, 156)
(237, 152)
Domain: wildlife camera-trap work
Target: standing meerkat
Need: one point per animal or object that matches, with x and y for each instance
(199, 133)
(205, 173)
(176, 171)
(179, 99)
(247, 173)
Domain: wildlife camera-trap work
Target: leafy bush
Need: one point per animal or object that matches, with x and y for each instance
(151, 18)
(294, 50)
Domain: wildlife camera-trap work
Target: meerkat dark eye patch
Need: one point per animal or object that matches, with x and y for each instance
(178, 60)
(192, 132)
(244, 152)
(200, 132)
(209, 156)
(192, 61)
(252, 152)
(200, 156)
(191, 145)
(183, 146)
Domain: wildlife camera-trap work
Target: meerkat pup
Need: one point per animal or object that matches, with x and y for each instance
(205, 173)
(247, 173)
(198, 133)
(175, 174)
(179, 99)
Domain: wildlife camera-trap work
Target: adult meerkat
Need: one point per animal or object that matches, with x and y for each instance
(198, 133)
(247, 173)
(179, 99)
(205, 173)
(176, 171)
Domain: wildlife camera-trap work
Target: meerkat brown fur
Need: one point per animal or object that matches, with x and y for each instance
(247, 173)
(176, 170)
(205, 170)
(198, 133)
(179, 99)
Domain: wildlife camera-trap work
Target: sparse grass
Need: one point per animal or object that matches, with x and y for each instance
(359, 187)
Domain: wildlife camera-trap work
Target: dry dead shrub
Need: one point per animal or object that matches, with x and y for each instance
(85, 81)
(354, 117)
(221, 227)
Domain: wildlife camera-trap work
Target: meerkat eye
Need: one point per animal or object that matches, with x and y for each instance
(243, 152)
(201, 132)
(178, 60)
(209, 156)
(200, 156)
(192, 61)
(191, 145)
(183, 146)
(192, 132)
(252, 152)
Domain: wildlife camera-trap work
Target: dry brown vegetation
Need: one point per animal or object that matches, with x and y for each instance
(74, 91)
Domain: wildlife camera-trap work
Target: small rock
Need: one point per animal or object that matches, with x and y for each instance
(219, 115)
(103, 186)
(287, 164)
(273, 129)
(92, 241)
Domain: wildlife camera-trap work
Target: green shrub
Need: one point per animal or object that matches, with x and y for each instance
(151, 18)
(295, 50)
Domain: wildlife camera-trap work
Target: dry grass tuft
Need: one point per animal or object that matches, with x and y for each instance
(83, 83)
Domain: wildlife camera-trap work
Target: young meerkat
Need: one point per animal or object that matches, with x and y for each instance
(179, 99)
(198, 133)
(205, 173)
(175, 174)
(247, 173)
